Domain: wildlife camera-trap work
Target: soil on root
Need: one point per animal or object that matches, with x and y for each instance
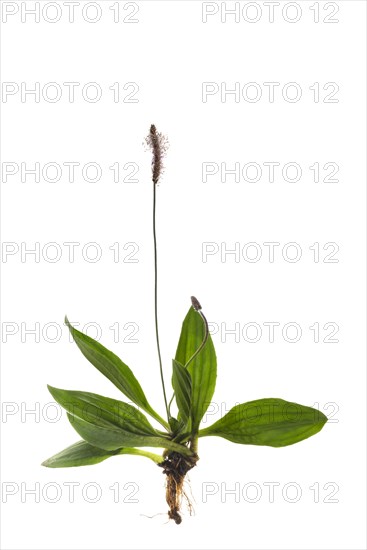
(176, 466)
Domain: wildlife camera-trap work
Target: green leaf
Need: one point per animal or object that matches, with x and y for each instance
(83, 454)
(203, 368)
(114, 369)
(108, 423)
(79, 454)
(111, 438)
(272, 422)
(103, 411)
(181, 383)
(114, 438)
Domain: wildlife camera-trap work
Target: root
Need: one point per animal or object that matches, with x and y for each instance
(176, 466)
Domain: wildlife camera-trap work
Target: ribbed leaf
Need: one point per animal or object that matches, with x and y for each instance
(83, 454)
(181, 383)
(103, 411)
(79, 454)
(108, 423)
(203, 369)
(272, 422)
(114, 369)
(114, 438)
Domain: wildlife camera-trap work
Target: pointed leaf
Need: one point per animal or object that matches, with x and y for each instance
(83, 454)
(103, 411)
(108, 423)
(114, 438)
(79, 454)
(203, 368)
(114, 369)
(272, 422)
(181, 383)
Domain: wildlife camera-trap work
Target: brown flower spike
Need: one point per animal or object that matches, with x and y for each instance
(159, 145)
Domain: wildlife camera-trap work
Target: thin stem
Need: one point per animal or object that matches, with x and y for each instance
(156, 298)
(206, 334)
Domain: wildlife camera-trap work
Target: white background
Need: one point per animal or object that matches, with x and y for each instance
(169, 53)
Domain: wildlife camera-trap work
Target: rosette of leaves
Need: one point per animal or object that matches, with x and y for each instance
(110, 427)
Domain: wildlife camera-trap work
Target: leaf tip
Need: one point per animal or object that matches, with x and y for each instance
(323, 419)
(52, 390)
(195, 303)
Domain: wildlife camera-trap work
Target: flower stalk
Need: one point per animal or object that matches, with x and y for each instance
(157, 143)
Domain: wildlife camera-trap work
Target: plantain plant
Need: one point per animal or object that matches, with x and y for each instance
(109, 427)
